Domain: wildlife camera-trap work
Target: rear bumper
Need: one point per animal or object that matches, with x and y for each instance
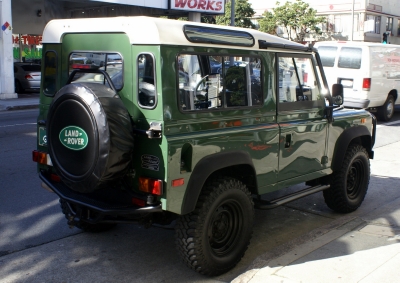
(356, 103)
(104, 209)
(33, 85)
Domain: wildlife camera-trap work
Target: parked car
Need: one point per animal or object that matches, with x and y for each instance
(27, 77)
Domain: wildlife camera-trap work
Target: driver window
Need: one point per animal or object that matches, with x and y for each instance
(297, 80)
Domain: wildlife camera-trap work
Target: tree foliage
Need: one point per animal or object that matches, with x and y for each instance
(243, 13)
(268, 23)
(297, 18)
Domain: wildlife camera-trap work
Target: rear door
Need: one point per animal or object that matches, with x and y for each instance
(303, 128)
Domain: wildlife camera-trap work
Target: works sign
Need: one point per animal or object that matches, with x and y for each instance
(201, 6)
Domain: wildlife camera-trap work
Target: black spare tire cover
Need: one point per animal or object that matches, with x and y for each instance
(90, 138)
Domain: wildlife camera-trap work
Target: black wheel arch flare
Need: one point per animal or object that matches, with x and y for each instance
(346, 138)
(205, 168)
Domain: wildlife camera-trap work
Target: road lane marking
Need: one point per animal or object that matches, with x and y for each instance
(18, 125)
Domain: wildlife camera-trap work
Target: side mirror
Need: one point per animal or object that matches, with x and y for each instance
(337, 94)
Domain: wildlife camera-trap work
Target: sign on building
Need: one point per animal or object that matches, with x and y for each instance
(200, 6)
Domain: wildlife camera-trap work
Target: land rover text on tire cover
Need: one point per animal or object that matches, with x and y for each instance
(194, 126)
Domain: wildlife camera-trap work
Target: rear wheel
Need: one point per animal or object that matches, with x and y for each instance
(214, 237)
(349, 185)
(386, 111)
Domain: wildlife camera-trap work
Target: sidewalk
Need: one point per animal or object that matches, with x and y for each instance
(365, 249)
(24, 101)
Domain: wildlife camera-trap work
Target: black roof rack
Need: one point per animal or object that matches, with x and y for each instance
(265, 45)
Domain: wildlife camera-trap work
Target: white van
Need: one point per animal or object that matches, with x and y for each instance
(369, 73)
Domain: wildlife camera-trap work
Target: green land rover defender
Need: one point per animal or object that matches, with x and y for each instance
(179, 123)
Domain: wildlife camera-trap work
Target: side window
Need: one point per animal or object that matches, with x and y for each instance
(50, 73)
(218, 82)
(328, 55)
(146, 81)
(350, 58)
(298, 82)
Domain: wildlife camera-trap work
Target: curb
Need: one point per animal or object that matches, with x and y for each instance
(310, 238)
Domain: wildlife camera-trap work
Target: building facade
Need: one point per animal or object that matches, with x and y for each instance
(24, 20)
(371, 19)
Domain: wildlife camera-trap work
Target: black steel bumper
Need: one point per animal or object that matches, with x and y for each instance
(104, 208)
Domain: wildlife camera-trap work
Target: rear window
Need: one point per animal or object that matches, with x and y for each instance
(91, 65)
(327, 54)
(31, 68)
(350, 58)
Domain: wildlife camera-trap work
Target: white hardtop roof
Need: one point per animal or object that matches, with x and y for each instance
(144, 30)
(353, 43)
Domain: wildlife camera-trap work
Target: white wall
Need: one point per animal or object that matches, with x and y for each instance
(6, 53)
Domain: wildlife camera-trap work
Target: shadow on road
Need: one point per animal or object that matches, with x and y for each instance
(135, 254)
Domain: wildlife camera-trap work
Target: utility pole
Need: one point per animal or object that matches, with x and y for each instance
(233, 13)
(231, 59)
(352, 22)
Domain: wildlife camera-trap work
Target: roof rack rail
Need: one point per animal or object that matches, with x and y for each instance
(265, 45)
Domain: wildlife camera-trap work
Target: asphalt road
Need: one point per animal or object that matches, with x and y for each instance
(32, 225)
(29, 215)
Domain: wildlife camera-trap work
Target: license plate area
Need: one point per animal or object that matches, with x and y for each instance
(42, 138)
(347, 83)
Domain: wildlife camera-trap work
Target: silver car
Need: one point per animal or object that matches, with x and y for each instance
(27, 77)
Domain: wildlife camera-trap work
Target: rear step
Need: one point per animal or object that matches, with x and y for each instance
(265, 204)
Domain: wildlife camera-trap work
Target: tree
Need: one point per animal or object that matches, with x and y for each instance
(297, 18)
(268, 23)
(243, 13)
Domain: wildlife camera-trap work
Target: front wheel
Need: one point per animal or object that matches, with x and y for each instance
(349, 185)
(387, 110)
(214, 237)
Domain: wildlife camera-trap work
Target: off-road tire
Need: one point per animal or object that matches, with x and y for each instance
(100, 112)
(85, 226)
(349, 185)
(386, 111)
(214, 237)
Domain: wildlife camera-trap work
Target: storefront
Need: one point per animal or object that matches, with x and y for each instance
(25, 20)
(27, 48)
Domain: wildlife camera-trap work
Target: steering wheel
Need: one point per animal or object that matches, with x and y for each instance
(198, 84)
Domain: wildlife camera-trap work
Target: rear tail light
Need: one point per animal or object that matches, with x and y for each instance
(41, 158)
(28, 77)
(152, 186)
(366, 85)
(305, 77)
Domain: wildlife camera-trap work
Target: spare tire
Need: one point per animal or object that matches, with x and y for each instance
(89, 134)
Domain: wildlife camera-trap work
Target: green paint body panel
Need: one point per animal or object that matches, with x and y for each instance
(285, 148)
